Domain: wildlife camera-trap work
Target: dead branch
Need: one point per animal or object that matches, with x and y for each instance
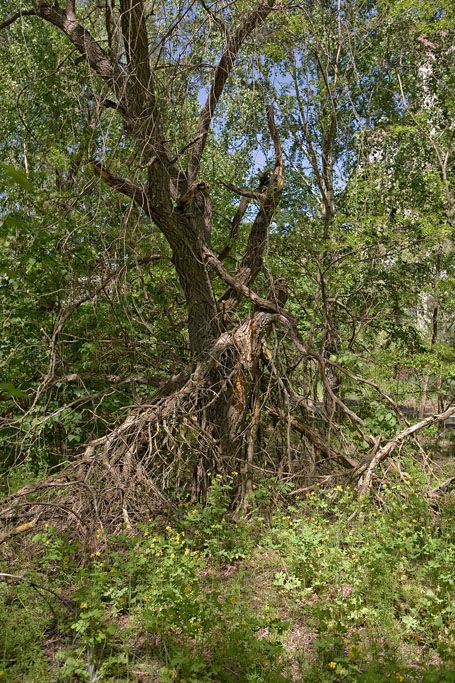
(437, 490)
(37, 586)
(366, 471)
(287, 321)
(316, 439)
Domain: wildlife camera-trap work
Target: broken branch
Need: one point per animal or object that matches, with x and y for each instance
(382, 453)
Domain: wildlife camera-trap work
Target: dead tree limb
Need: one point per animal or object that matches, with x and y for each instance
(366, 471)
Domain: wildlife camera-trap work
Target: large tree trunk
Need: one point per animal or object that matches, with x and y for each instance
(188, 247)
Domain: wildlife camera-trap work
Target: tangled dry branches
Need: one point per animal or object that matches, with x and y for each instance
(168, 449)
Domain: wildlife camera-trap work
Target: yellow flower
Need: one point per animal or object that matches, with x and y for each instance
(168, 528)
(98, 553)
(84, 605)
(332, 665)
(187, 551)
(339, 487)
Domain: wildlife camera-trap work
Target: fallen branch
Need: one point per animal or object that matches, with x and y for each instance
(366, 471)
(433, 493)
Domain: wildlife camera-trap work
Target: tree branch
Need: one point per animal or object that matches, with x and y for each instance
(126, 187)
(382, 453)
(233, 44)
(85, 44)
(251, 263)
(221, 23)
(15, 17)
(235, 284)
(251, 194)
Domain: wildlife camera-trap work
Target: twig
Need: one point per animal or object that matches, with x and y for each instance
(440, 488)
(37, 586)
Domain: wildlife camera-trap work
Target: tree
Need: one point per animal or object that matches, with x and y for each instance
(137, 140)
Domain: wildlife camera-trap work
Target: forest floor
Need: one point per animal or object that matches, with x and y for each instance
(331, 588)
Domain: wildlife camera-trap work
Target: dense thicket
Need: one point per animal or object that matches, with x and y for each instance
(226, 241)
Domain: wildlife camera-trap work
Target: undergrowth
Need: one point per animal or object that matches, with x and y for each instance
(332, 588)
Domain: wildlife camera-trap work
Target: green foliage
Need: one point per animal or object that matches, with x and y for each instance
(339, 587)
(25, 620)
(368, 589)
(211, 528)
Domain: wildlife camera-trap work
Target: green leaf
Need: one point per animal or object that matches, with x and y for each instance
(13, 221)
(9, 389)
(17, 177)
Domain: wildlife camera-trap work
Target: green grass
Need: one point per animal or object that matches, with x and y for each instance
(331, 589)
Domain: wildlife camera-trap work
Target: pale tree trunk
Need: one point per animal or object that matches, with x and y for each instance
(433, 340)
